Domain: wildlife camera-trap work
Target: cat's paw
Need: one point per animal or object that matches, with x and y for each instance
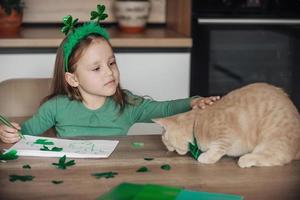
(170, 148)
(247, 160)
(181, 151)
(167, 144)
(206, 159)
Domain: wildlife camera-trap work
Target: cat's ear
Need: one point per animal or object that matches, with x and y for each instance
(159, 121)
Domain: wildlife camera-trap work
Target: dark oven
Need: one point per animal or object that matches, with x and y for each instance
(237, 42)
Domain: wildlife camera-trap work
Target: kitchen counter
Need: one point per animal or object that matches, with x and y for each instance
(51, 37)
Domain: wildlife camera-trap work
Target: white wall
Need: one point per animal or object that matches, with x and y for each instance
(162, 76)
(26, 66)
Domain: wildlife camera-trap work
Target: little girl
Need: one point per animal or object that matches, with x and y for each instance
(87, 99)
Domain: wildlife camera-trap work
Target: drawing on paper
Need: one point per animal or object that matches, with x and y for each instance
(54, 147)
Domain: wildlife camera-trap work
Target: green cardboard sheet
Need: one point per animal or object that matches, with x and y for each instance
(124, 191)
(157, 192)
(130, 191)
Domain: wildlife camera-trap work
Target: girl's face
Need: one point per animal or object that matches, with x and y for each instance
(97, 72)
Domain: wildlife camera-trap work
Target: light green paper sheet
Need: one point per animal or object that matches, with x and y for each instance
(187, 194)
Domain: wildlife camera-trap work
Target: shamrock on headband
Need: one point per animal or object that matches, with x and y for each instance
(75, 35)
(99, 13)
(69, 24)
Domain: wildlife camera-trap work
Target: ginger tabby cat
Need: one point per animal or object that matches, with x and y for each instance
(257, 122)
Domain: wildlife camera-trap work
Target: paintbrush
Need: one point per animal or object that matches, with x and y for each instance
(7, 123)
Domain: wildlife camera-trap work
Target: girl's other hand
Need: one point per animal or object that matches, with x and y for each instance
(9, 134)
(202, 102)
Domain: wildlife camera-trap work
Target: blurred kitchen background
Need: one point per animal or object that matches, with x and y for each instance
(184, 48)
(154, 61)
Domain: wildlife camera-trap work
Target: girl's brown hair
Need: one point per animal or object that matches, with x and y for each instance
(59, 84)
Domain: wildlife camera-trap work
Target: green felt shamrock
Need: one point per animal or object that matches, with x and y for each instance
(57, 182)
(99, 14)
(14, 178)
(137, 144)
(45, 148)
(62, 164)
(27, 166)
(166, 167)
(105, 175)
(143, 169)
(44, 142)
(194, 150)
(11, 155)
(148, 159)
(69, 24)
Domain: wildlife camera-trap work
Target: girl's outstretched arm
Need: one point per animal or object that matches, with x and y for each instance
(147, 109)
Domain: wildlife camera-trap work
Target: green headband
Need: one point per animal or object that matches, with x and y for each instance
(81, 32)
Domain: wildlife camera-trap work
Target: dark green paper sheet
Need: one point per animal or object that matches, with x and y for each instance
(124, 191)
(130, 191)
(157, 192)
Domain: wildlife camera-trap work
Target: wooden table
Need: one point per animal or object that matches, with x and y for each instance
(224, 177)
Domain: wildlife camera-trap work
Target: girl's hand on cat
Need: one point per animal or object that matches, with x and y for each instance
(202, 102)
(8, 134)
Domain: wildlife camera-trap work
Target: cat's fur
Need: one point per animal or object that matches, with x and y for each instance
(257, 122)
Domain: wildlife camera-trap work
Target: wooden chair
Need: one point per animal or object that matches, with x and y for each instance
(22, 97)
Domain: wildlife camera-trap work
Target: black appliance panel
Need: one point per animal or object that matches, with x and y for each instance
(230, 51)
(247, 8)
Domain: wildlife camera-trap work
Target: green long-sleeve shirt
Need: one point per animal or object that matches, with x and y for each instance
(71, 118)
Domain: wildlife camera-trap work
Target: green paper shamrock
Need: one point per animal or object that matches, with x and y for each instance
(166, 167)
(99, 14)
(43, 142)
(194, 150)
(137, 144)
(148, 159)
(143, 169)
(11, 155)
(27, 166)
(14, 178)
(57, 182)
(105, 175)
(69, 24)
(45, 148)
(62, 164)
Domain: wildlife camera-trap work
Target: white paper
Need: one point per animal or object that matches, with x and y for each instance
(71, 148)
